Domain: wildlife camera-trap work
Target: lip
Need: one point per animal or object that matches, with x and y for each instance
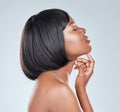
(87, 40)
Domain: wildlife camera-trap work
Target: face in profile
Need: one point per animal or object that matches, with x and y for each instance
(76, 42)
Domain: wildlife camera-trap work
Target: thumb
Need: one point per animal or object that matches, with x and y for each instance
(81, 70)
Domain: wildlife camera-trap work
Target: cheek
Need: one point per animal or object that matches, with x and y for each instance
(72, 41)
(72, 46)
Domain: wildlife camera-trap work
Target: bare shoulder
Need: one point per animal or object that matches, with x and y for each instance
(44, 93)
(63, 100)
(52, 95)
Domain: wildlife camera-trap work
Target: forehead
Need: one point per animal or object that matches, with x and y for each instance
(71, 19)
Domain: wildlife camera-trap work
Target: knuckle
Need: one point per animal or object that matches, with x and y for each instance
(93, 61)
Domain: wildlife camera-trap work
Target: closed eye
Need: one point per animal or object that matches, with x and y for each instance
(75, 28)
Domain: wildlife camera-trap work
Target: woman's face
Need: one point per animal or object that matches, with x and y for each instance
(76, 42)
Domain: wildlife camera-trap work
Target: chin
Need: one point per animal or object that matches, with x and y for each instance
(88, 50)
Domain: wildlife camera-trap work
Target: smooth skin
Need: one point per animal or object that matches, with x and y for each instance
(52, 92)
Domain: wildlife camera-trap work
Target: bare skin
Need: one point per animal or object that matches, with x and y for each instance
(52, 93)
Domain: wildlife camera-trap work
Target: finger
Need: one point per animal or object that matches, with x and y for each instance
(88, 64)
(85, 61)
(74, 67)
(78, 62)
(91, 60)
(78, 65)
(82, 60)
(81, 71)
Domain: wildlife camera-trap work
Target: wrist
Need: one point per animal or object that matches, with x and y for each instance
(80, 88)
(83, 99)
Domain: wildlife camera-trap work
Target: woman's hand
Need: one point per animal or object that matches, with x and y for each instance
(85, 68)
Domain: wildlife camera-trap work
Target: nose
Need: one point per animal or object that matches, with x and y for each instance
(83, 30)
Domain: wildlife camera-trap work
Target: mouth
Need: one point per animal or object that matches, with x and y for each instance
(86, 39)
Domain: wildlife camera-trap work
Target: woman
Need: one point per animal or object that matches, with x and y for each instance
(50, 46)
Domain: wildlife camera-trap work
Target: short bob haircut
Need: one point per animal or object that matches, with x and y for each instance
(42, 44)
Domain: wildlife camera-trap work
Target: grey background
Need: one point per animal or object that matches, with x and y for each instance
(101, 18)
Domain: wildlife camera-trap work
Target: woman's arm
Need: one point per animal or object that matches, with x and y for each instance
(84, 100)
(85, 68)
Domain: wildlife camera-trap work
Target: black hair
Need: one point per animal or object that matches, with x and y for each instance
(42, 44)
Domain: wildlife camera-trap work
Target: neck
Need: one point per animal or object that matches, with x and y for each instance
(63, 73)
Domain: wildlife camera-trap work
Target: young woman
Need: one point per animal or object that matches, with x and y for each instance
(51, 44)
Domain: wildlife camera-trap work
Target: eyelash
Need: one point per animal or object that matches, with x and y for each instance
(74, 28)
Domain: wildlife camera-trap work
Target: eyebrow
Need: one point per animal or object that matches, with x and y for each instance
(72, 22)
